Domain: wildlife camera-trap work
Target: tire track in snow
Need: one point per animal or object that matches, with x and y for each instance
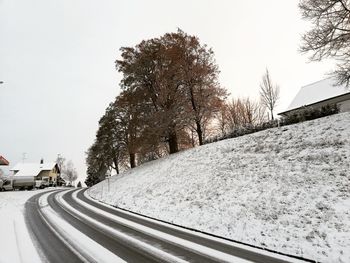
(86, 249)
(252, 253)
(93, 232)
(147, 246)
(183, 243)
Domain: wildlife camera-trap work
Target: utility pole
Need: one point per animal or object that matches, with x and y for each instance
(24, 157)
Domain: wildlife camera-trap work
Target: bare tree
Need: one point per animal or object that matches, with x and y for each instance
(69, 172)
(269, 93)
(252, 112)
(239, 113)
(330, 35)
(60, 162)
(222, 119)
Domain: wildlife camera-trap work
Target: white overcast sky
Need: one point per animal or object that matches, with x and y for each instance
(57, 61)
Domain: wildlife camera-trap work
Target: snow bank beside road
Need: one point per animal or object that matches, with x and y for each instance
(15, 242)
(286, 189)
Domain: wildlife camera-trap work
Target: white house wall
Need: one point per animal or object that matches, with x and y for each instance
(343, 102)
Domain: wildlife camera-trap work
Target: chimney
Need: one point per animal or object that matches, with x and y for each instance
(42, 161)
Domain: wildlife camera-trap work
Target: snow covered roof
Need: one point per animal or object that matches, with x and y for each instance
(317, 92)
(32, 169)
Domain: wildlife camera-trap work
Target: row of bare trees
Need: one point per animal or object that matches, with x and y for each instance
(170, 100)
(239, 113)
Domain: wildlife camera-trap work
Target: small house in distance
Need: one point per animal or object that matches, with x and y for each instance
(39, 170)
(319, 94)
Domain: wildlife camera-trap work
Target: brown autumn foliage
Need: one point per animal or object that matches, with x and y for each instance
(177, 77)
(170, 100)
(170, 95)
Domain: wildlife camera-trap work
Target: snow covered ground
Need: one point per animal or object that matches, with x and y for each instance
(287, 189)
(15, 242)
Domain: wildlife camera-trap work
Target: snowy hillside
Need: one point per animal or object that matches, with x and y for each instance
(287, 189)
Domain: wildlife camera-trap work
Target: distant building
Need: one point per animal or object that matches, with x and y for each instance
(319, 94)
(3, 161)
(39, 170)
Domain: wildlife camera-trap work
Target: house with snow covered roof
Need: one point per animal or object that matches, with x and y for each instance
(39, 170)
(319, 94)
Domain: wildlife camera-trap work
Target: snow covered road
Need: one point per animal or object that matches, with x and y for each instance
(69, 226)
(15, 242)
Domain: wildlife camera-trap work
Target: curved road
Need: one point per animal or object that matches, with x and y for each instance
(68, 226)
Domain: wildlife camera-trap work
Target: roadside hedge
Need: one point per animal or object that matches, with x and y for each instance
(304, 114)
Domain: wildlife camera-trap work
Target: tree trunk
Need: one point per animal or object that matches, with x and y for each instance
(173, 147)
(132, 160)
(198, 124)
(272, 115)
(116, 165)
(199, 132)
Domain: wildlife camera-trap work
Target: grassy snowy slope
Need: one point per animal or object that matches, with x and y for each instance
(287, 189)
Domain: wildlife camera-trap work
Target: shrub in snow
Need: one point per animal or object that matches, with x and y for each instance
(304, 114)
(310, 113)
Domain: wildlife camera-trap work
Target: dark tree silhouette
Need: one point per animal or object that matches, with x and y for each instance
(330, 35)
